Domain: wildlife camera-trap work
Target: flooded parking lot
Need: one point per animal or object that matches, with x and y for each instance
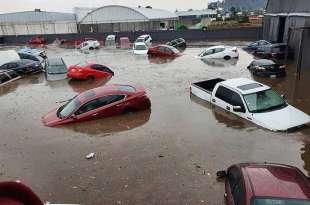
(167, 155)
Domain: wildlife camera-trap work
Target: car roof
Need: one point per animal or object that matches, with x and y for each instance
(99, 92)
(244, 85)
(264, 62)
(276, 180)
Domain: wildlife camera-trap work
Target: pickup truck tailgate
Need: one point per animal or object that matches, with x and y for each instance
(201, 93)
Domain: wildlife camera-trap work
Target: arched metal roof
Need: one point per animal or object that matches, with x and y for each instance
(118, 14)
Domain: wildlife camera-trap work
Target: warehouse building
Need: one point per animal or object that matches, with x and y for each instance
(115, 18)
(192, 17)
(37, 22)
(289, 22)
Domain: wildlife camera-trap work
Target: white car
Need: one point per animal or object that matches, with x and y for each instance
(144, 39)
(89, 45)
(252, 101)
(219, 52)
(140, 48)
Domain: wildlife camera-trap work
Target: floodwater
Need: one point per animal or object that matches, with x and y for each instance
(167, 155)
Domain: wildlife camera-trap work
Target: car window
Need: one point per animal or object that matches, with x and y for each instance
(4, 78)
(236, 185)
(224, 94)
(99, 102)
(101, 68)
(162, 49)
(209, 52)
(13, 74)
(218, 50)
(3, 67)
(236, 100)
(12, 65)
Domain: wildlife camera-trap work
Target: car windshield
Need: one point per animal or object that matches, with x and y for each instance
(140, 40)
(67, 109)
(279, 201)
(264, 101)
(140, 47)
(175, 50)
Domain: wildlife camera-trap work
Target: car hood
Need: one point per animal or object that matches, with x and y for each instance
(281, 120)
(51, 119)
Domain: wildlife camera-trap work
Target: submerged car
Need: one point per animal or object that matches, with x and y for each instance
(7, 76)
(147, 39)
(34, 52)
(16, 193)
(100, 102)
(163, 51)
(179, 43)
(267, 68)
(274, 51)
(140, 48)
(219, 52)
(56, 69)
(89, 45)
(265, 184)
(85, 71)
(257, 45)
(23, 66)
(124, 43)
(110, 41)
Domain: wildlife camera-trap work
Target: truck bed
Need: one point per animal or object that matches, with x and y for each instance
(204, 89)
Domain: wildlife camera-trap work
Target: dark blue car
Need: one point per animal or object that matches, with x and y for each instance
(23, 66)
(254, 46)
(267, 68)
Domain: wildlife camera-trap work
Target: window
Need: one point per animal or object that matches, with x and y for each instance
(236, 185)
(101, 68)
(209, 52)
(99, 102)
(218, 50)
(3, 67)
(4, 78)
(264, 101)
(224, 94)
(13, 74)
(66, 110)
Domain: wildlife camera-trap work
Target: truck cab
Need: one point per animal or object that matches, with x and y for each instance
(252, 101)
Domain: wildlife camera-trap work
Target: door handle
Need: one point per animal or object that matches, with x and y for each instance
(94, 115)
(119, 105)
(213, 100)
(227, 108)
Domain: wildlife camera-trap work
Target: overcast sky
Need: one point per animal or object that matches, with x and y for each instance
(67, 5)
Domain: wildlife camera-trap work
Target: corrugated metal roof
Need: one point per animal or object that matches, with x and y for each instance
(288, 6)
(35, 16)
(196, 12)
(117, 13)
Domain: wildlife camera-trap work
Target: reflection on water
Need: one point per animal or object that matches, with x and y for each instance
(79, 86)
(222, 116)
(160, 60)
(220, 62)
(107, 126)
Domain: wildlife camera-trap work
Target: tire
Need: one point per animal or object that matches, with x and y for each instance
(91, 78)
(129, 111)
(227, 58)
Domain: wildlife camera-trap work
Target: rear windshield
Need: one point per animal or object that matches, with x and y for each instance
(279, 201)
(126, 88)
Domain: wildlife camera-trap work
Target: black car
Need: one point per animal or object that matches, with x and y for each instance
(7, 76)
(257, 45)
(23, 66)
(267, 68)
(274, 51)
(177, 43)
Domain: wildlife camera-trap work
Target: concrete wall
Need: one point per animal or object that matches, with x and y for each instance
(158, 36)
(16, 29)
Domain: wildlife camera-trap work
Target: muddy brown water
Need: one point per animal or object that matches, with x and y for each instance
(167, 155)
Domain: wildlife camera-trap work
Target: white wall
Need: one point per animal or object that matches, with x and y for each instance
(38, 28)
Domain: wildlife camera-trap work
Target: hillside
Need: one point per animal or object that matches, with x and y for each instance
(249, 5)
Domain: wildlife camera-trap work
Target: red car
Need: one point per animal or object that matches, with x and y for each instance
(89, 71)
(100, 102)
(37, 41)
(163, 51)
(265, 184)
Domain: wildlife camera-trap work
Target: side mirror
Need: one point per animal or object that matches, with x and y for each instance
(221, 174)
(283, 96)
(73, 117)
(237, 109)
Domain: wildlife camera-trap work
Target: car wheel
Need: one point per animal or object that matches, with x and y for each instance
(129, 111)
(91, 78)
(227, 57)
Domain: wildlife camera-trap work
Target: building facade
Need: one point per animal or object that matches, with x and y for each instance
(115, 18)
(289, 23)
(192, 17)
(37, 22)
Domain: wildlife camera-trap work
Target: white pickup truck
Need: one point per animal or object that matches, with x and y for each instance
(252, 101)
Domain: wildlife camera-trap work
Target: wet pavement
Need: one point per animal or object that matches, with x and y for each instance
(167, 155)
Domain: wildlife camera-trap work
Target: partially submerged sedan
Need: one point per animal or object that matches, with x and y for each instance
(89, 71)
(163, 51)
(267, 68)
(100, 102)
(265, 184)
(23, 66)
(219, 52)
